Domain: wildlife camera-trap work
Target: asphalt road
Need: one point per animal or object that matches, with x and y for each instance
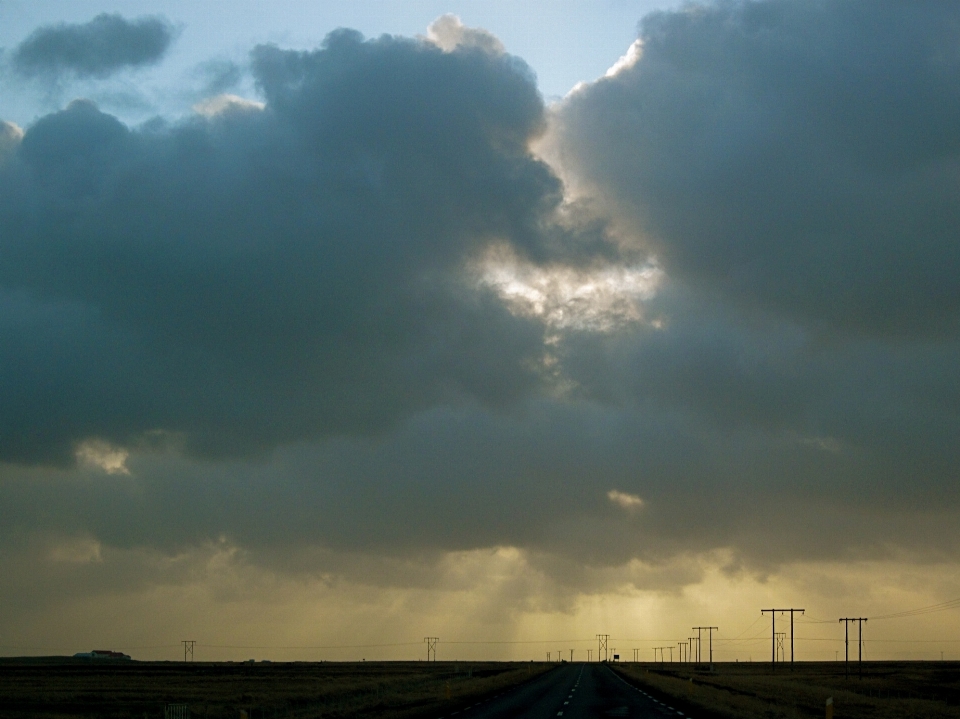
(573, 691)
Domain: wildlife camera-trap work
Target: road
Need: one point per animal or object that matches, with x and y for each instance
(572, 691)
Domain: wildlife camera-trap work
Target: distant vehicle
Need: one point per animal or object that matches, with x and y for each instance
(102, 654)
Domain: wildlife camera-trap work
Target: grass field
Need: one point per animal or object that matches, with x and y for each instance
(56, 689)
(901, 690)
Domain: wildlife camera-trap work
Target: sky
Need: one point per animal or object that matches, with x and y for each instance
(324, 329)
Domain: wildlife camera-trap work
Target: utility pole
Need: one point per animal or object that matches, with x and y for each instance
(548, 656)
(636, 652)
(680, 646)
(690, 652)
(710, 630)
(589, 655)
(655, 654)
(773, 632)
(431, 647)
(602, 646)
(846, 644)
(571, 656)
(671, 653)
(188, 645)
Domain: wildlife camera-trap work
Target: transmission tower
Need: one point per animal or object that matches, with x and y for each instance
(431, 647)
(602, 646)
(188, 645)
(781, 652)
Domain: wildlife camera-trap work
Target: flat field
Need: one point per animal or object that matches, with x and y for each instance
(746, 690)
(88, 689)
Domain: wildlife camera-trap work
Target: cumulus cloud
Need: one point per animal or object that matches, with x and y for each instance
(449, 33)
(799, 157)
(98, 48)
(247, 278)
(804, 221)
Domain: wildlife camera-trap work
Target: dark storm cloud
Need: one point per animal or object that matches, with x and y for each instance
(295, 274)
(98, 48)
(797, 156)
(893, 406)
(450, 480)
(261, 276)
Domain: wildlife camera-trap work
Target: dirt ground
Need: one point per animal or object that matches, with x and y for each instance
(754, 691)
(104, 689)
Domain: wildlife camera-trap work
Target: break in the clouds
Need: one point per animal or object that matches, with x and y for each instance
(356, 315)
(96, 49)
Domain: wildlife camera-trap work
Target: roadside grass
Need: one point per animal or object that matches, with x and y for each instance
(297, 690)
(888, 690)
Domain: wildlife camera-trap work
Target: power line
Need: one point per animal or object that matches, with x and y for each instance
(941, 607)
(525, 641)
(744, 631)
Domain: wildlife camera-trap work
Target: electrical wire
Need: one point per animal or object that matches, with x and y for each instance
(941, 607)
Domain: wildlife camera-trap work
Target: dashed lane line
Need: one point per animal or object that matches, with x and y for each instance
(638, 689)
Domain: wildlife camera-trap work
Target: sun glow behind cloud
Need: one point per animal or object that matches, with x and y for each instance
(629, 502)
(104, 456)
(601, 299)
(220, 104)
